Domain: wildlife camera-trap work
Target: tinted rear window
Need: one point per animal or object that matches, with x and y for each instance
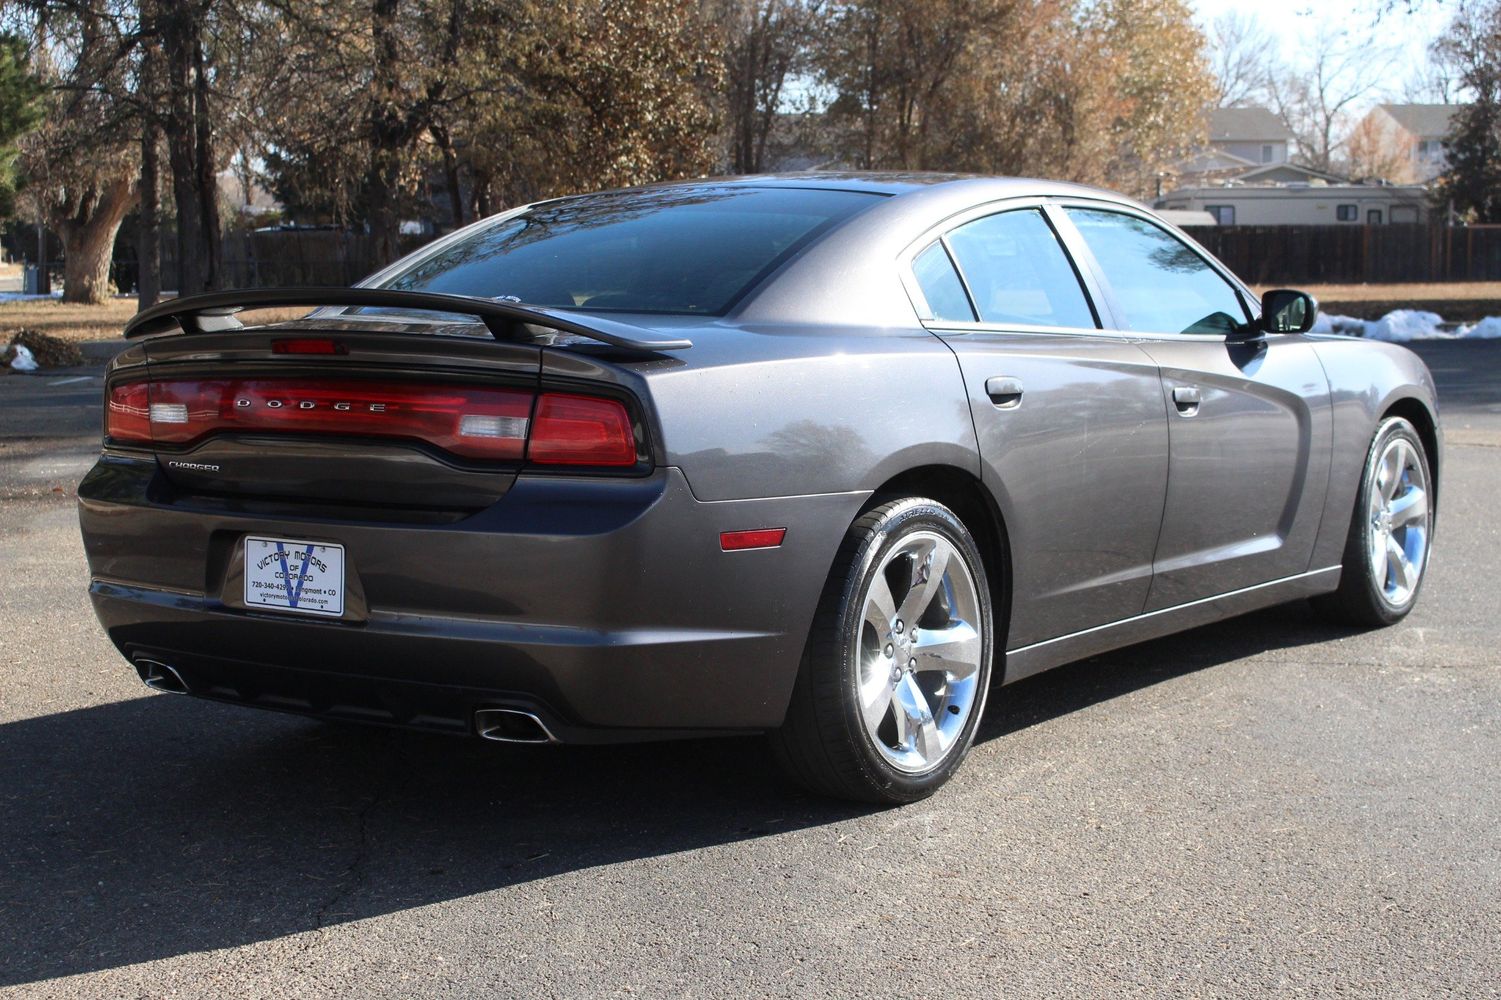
(668, 250)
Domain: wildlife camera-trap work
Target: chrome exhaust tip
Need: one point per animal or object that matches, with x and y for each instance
(511, 725)
(160, 677)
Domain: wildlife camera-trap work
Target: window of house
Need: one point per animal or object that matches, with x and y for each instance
(1266, 153)
(1159, 282)
(1373, 217)
(941, 286)
(1018, 272)
(1224, 215)
(1347, 213)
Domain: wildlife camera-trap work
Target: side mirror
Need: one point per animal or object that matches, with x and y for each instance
(1285, 310)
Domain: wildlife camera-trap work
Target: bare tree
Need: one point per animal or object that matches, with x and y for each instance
(79, 165)
(1315, 103)
(766, 44)
(1373, 150)
(1240, 57)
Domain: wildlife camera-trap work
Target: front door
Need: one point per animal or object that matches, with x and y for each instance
(1071, 425)
(1249, 422)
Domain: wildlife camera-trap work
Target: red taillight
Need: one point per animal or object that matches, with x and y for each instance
(126, 415)
(468, 421)
(581, 430)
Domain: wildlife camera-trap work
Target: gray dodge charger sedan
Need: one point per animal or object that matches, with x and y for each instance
(824, 456)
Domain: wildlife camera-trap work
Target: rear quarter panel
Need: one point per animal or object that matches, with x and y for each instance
(788, 411)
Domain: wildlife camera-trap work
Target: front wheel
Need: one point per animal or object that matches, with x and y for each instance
(1386, 551)
(894, 679)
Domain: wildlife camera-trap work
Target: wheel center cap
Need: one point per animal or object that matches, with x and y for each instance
(1384, 522)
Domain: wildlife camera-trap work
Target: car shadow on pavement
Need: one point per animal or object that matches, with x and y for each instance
(162, 826)
(1099, 678)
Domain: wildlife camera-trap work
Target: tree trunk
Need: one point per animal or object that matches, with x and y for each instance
(190, 150)
(386, 132)
(206, 176)
(180, 148)
(451, 174)
(88, 236)
(149, 249)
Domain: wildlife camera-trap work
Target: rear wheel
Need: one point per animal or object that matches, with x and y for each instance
(893, 682)
(1386, 552)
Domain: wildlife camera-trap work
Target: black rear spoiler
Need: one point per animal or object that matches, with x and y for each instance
(214, 312)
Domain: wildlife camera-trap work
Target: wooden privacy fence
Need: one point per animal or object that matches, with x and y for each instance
(277, 257)
(1272, 255)
(1262, 255)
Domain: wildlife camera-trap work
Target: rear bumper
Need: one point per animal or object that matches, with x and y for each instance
(603, 606)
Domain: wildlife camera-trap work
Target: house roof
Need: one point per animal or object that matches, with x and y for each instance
(1424, 121)
(1211, 160)
(1245, 125)
(1281, 173)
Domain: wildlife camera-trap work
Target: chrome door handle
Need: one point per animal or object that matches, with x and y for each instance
(1004, 391)
(1186, 399)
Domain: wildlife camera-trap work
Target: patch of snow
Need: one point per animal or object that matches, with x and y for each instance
(23, 297)
(1345, 326)
(23, 361)
(1403, 325)
(1487, 329)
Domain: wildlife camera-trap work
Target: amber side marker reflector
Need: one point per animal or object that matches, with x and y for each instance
(760, 538)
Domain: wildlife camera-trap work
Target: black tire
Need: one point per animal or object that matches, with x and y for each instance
(823, 744)
(1360, 599)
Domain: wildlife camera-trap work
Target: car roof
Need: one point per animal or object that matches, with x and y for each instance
(897, 183)
(824, 284)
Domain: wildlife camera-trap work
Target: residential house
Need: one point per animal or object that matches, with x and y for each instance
(1245, 144)
(1405, 142)
(1254, 136)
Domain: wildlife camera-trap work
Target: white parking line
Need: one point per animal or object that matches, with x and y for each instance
(70, 381)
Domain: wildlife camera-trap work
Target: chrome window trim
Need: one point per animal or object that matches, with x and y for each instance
(1249, 303)
(938, 233)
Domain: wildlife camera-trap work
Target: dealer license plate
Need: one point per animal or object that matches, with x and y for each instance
(290, 575)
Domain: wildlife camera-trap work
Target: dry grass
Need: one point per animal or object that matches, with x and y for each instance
(1459, 301)
(103, 322)
(1458, 291)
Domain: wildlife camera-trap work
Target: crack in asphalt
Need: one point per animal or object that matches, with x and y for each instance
(353, 876)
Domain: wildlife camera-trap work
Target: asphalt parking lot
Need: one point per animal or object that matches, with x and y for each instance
(1265, 807)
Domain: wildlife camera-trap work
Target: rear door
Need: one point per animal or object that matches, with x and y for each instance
(1069, 417)
(1249, 422)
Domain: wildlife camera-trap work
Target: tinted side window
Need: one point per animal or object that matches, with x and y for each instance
(1018, 272)
(1160, 284)
(941, 285)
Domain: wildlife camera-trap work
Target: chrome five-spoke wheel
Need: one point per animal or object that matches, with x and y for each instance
(1398, 521)
(919, 652)
(1390, 538)
(893, 682)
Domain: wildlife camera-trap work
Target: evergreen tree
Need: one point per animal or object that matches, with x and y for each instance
(1472, 182)
(20, 110)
